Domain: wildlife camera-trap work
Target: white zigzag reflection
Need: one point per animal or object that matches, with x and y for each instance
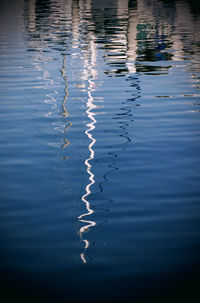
(90, 128)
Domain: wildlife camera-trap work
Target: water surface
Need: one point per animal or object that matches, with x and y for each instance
(99, 159)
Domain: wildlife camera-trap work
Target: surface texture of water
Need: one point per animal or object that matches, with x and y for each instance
(99, 158)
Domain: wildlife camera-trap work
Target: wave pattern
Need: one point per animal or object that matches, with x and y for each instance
(99, 158)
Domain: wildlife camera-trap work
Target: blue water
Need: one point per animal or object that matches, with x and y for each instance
(99, 158)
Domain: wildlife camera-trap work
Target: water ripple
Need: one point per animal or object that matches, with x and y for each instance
(99, 158)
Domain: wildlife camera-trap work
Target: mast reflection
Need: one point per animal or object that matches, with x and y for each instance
(65, 112)
(89, 76)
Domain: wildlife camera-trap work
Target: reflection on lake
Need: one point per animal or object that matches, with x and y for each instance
(100, 149)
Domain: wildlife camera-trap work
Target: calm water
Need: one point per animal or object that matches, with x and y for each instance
(99, 158)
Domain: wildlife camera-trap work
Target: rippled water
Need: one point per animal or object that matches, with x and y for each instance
(99, 159)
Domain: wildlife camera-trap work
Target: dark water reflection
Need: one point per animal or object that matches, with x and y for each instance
(100, 150)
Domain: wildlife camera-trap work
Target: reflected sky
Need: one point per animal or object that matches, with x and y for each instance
(129, 38)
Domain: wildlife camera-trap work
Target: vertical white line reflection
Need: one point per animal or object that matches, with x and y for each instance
(65, 112)
(90, 75)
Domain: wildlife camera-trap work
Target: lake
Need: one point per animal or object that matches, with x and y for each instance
(100, 145)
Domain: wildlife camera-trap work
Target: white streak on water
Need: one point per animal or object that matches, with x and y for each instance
(89, 77)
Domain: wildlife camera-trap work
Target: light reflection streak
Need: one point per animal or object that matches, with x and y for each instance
(65, 112)
(89, 76)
